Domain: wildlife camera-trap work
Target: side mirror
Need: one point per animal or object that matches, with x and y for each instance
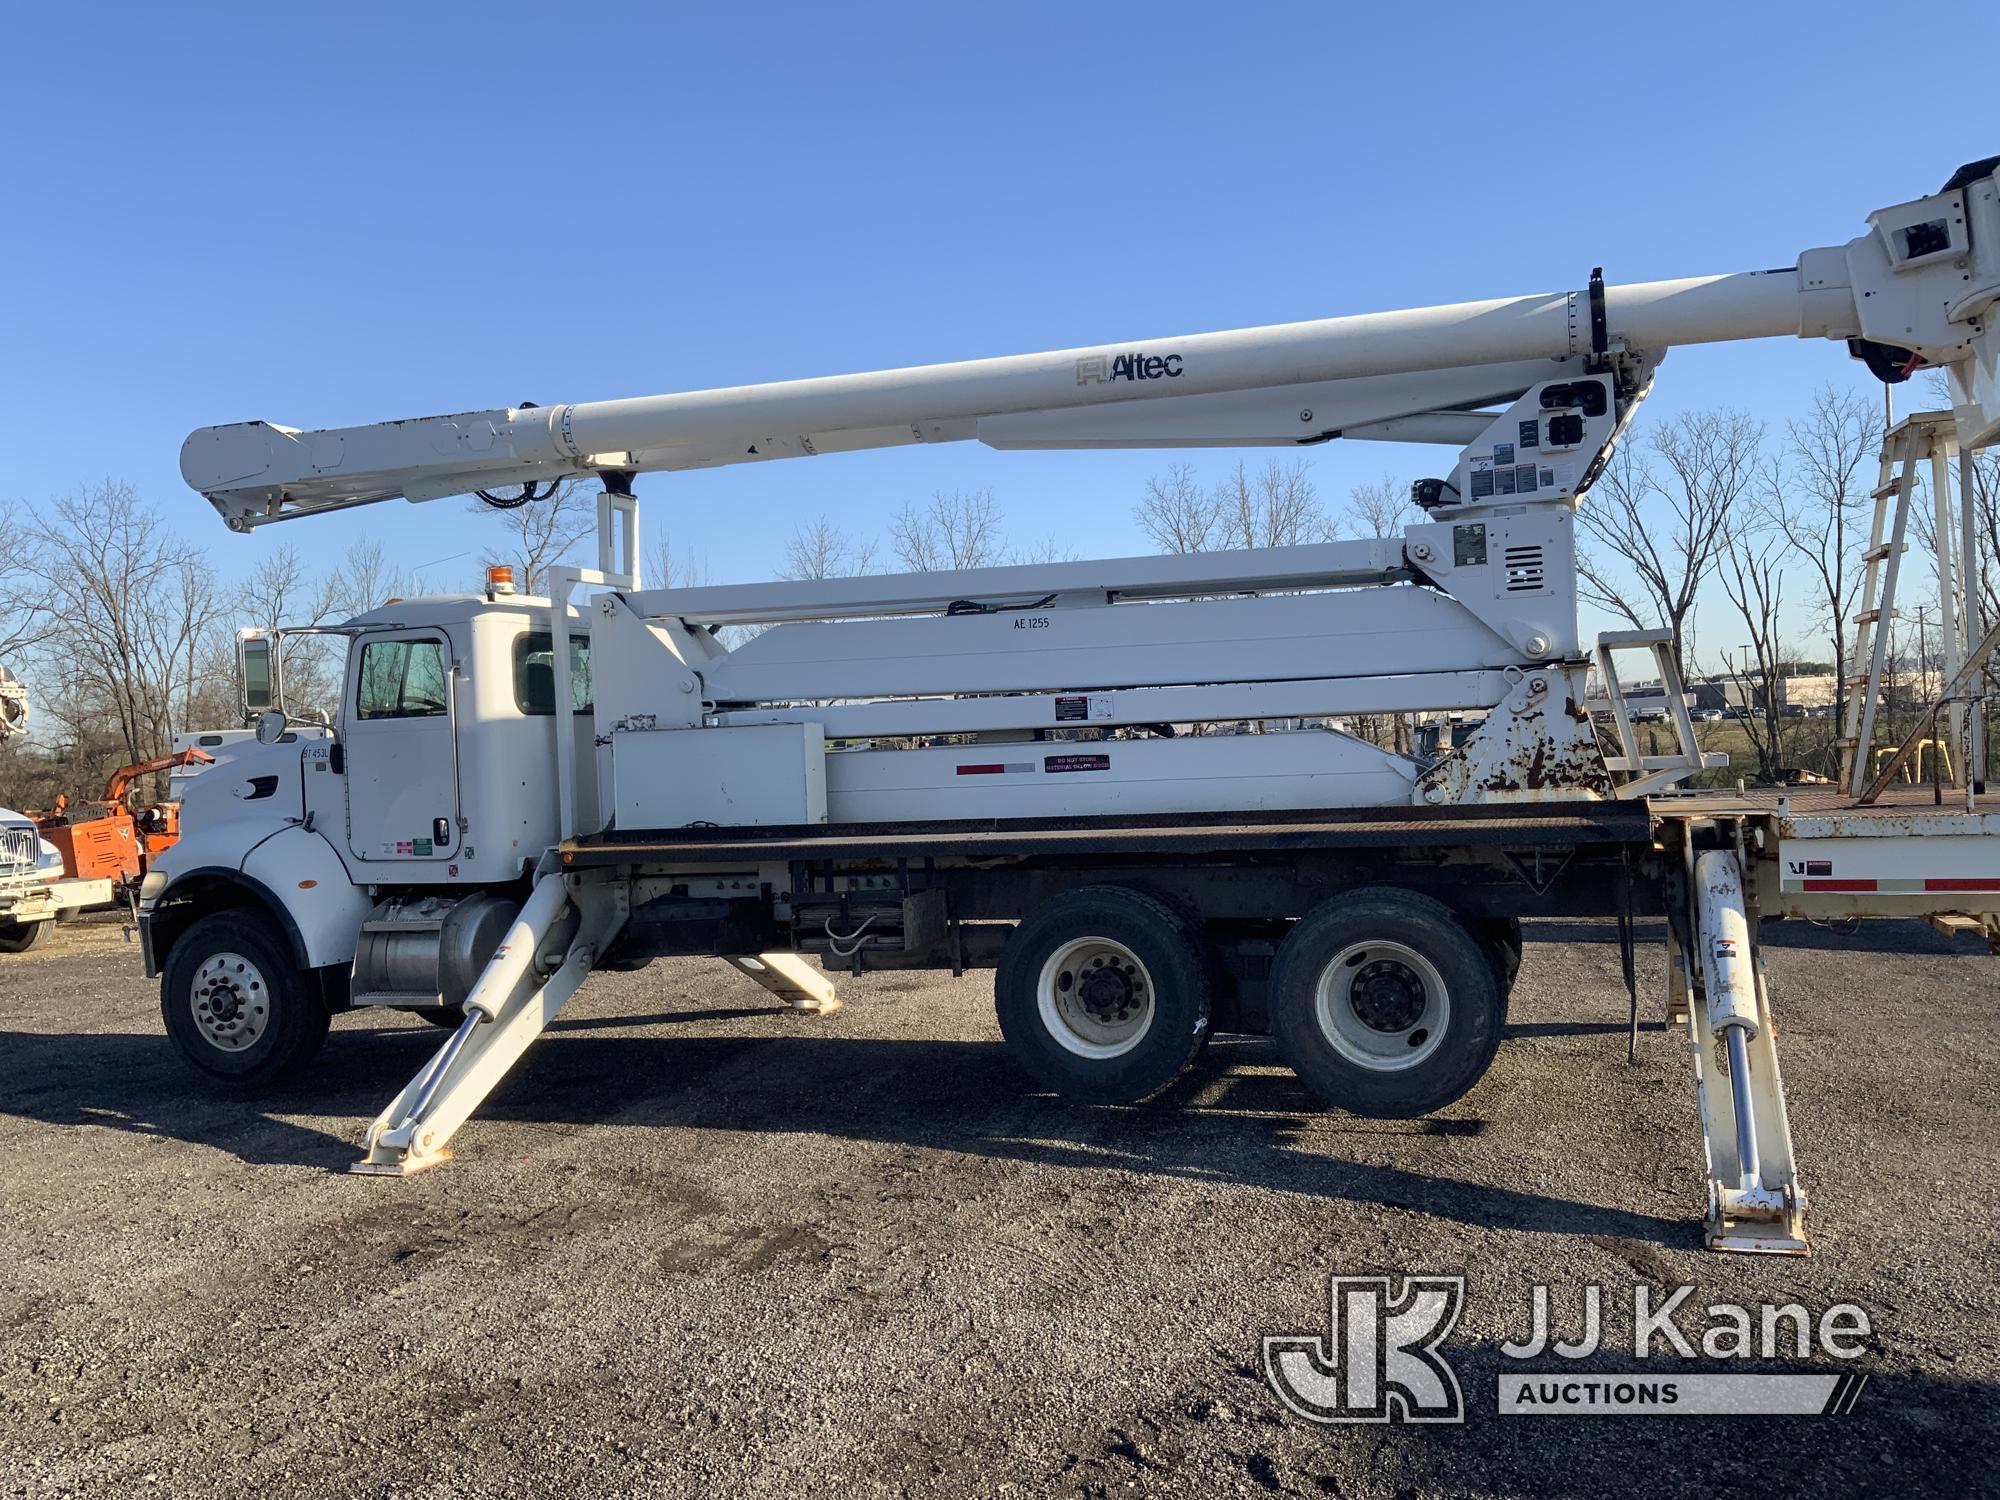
(271, 726)
(259, 673)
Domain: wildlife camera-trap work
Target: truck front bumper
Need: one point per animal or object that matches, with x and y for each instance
(27, 901)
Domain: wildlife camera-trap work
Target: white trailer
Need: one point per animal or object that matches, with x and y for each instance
(981, 767)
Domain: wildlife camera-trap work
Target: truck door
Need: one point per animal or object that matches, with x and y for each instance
(401, 751)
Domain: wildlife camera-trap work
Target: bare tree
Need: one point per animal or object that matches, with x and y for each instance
(1751, 573)
(671, 567)
(538, 534)
(366, 579)
(1047, 550)
(25, 615)
(1276, 507)
(957, 530)
(1383, 508)
(1816, 497)
(282, 591)
(1660, 518)
(137, 606)
(822, 550)
(1176, 513)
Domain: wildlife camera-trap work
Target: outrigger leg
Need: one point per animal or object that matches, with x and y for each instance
(791, 979)
(565, 924)
(1755, 1202)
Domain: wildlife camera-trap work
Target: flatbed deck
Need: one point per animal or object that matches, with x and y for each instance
(1911, 853)
(1554, 825)
(1800, 803)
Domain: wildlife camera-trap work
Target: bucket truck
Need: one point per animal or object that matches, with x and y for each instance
(979, 768)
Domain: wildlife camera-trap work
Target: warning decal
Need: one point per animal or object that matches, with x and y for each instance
(1053, 763)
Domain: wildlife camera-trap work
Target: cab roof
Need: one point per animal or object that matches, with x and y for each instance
(455, 609)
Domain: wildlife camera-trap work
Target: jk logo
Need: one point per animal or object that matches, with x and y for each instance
(1379, 1362)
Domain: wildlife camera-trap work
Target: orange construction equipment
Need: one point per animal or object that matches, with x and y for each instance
(117, 842)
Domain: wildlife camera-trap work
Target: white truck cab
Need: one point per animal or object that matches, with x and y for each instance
(339, 860)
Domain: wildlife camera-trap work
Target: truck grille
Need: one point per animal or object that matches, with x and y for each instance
(18, 851)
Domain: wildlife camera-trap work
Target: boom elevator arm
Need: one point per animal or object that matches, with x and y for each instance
(1917, 290)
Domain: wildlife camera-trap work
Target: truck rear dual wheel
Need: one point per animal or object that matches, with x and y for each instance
(236, 1006)
(1385, 1004)
(1104, 995)
(19, 937)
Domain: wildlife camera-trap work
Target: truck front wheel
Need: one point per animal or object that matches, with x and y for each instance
(1385, 1004)
(19, 937)
(235, 1004)
(1103, 995)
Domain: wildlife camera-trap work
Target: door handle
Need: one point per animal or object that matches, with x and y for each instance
(440, 830)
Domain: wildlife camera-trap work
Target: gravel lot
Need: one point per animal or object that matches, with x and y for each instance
(697, 1246)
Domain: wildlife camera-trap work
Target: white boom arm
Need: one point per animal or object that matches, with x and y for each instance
(1917, 290)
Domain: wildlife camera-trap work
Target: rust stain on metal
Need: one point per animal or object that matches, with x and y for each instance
(1544, 765)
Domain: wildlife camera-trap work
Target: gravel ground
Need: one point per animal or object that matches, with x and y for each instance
(696, 1246)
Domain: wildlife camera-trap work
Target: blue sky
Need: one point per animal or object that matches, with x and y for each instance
(219, 213)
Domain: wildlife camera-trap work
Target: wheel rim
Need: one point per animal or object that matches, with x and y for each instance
(1096, 998)
(231, 1001)
(1383, 1006)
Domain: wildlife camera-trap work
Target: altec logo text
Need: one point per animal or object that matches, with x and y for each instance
(1095, 369)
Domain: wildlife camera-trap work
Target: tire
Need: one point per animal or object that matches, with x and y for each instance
(1210, 952)
(446, 1016)
(20, 937)
(1116, 1040)
(217, 975)
(1384, 1003)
